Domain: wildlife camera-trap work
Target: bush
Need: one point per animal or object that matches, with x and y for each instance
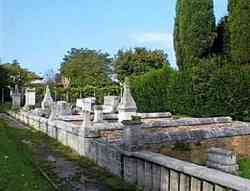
(214, 87)
(151, 91)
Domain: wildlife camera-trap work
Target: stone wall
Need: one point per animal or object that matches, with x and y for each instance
(150, 171)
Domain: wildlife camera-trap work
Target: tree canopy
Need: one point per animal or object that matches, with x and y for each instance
(239, 28)
(194, 30)
(13, 74)
(86, 67)
(138, 61)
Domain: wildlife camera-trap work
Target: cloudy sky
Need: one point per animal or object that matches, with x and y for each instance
(38, 33)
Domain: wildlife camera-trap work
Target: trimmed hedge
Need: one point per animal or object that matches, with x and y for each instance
(212, 88)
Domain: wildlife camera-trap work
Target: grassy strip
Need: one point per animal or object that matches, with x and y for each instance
(91, 171)
(17, 173)
(5, 107)
(245, 168)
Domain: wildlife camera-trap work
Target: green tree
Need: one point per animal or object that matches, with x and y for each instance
(221, 43)
(138, 61)
(86, 67)
(194, 30)
(17, 74)
(239, 19)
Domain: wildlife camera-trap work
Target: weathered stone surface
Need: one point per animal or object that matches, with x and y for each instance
(30, 97)
(127, 107)
(112, 157)
(187, 122)
(47, 100)
(98, 114)
(206, 174)
(223, 160)
(154, 115)
(111, 104)
(86, 104)
(133, 137)
(16, 98)
(196, 135)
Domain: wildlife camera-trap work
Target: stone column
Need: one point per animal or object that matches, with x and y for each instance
(223, 160)
(133, 137)
(87, 137)
(86, 120)
(98, 114)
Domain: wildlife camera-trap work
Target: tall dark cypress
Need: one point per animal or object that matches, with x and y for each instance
(194, 30)
(239, 29)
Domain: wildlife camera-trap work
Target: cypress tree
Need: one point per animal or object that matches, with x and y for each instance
(239, 29)
(194, 30)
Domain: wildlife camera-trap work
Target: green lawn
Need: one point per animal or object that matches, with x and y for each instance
(17, 172)
(4, 107)
(245, 168)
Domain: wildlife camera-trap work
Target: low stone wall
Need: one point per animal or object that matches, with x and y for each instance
(150, 171)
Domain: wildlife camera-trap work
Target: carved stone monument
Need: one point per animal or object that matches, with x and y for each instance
(16, 98)
(223, 160)
(86, 104)
(111, 104)
(47, 100)
(60, 109)
(98, 114)
(30, 97)
(127, 107)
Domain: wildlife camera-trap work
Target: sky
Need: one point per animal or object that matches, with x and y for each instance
(39, 33)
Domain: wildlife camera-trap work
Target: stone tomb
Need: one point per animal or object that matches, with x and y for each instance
(111, 104)
(30, 97)
(86, 104)
(223, 160)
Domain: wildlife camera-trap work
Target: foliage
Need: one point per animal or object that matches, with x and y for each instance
(138, 61)
(239, 19)
(221, 43)
(17, 75)
(194, 30)
(3, 76)
(151, 91)
(5, 107)
(216, 88)
(245, 168)
(86, 67)
(210, 87)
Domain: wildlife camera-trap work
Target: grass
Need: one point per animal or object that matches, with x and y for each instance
(245, 168)
(17, 172)
(19, 168)
(5, 107)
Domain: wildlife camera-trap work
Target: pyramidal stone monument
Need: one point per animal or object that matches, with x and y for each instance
(127, 107)
(47, 100)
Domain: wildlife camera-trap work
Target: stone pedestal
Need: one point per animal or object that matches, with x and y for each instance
(30, 97)
(86, 120)
(133, 136)
(16, 100)
(98, 114)
(223, 160)
(111, 104)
